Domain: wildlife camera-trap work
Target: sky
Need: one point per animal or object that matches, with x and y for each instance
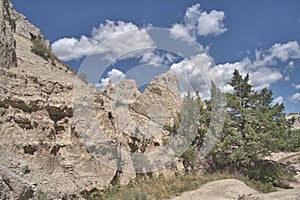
(197, 40)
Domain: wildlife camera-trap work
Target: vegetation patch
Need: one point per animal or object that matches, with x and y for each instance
(41, 48)
(165, 188)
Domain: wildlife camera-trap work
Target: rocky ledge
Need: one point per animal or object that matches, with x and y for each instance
(43, 149)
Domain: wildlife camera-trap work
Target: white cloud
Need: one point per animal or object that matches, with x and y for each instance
(295, 98)
(261, 76)
(264, 77)
(278, 100)
(278, 52)
(297, 86)
(289, 50)
(179, 31)
(287, 78)
(114, 75)
(211, 23)
(151, 58)
(291, 65)
(226, 70)
(125, 37)
(114, 39)
(197, 73)
(199, 23)
(261, 71)
(156, 58)
(287, 70)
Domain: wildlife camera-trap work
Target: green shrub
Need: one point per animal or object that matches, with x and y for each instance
(40, 48)
(173, 128)
(167, 187)
(93, 194)
(111, 192)
(40, 195)
(135, 196)
(189, 156)
(268, 172)
(291, 141)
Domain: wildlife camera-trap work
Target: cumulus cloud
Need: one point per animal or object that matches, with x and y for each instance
(114, 75)
(290, 66)
(287, 78)
(262, 71)
(111, 39)
(259, 77)
(278, 100)
(199, 23)
(195, 74)
(179, 31)
(278, 52)
(156, 58)
(126, 40)
(264, 77)
(286, 51)
(211, 23)
(296, 86)
(287, 70)
(295, 98)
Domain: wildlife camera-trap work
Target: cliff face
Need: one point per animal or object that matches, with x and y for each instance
(38, 146)
(7, 42)
(46, 144)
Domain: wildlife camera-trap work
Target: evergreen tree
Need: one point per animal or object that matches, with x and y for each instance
(253, 127)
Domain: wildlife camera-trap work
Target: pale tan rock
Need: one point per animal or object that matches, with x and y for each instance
(222, 190)
(296, 117)
(22, 26)
(63, 136)
(7, 42)
(36, 121)
(234, 189)
(160, 100)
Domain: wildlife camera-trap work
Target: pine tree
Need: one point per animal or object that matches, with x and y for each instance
(253, 127)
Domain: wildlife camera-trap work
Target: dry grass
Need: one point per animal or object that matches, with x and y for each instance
(165, 188)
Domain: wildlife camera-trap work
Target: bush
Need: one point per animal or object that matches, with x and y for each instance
(291, 141)
(268, 172)
(173, 128)
(93, 194)
(135, 196)
(40, 48)
(40, 195)
(189, 156)
(111, 191)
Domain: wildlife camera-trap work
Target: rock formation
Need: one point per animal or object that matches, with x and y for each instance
(296, 118)
(235, 189)
(7, 42)
(47, 143)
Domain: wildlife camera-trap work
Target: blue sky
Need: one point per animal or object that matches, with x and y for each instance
(261, 38)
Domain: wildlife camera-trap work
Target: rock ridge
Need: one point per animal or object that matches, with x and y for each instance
(42, 147)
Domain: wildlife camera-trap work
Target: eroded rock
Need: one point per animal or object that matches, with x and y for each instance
(54, 127)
